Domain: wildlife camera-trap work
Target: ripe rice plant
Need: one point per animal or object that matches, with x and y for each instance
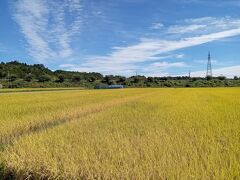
(126, 134)
(26, 112)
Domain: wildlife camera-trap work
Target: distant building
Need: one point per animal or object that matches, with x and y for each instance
(109, 87)
(115, 86)
(1, 86)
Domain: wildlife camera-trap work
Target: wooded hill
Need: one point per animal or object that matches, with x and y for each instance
(21, 75)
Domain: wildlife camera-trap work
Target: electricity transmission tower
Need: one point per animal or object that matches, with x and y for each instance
(209, 66)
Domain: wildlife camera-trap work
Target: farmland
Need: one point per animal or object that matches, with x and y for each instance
(121, 134)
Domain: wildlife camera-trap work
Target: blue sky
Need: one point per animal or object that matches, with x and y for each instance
(150, 37)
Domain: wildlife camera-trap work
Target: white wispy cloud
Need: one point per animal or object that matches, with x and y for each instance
(147, 50)
(2, 48)
(180, 56)
(204, 25)
(44, 26)
(204, 61)
(185, 29)
(225, 71)
(160, 68)
(67, 66)
(50, 36)
(156, 26)
(211, 2)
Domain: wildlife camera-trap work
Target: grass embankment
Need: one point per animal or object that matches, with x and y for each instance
(15, 90)
(123, 134)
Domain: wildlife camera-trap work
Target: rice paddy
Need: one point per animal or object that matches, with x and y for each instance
(121, 134)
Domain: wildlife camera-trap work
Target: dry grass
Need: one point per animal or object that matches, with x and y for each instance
(132, 134)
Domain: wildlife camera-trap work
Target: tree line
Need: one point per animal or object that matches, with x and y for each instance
(21, 75)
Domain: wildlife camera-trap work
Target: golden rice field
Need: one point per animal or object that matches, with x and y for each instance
(121, 134)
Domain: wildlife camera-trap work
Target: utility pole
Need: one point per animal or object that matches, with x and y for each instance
(209, 66)
(8, 80)
(189, 74)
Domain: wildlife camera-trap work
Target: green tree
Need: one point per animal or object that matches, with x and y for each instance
(44, 78)
(12, 78)
(221, 78)
(76, 78)
(28, 77)
(209, 78)
(61, 79)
